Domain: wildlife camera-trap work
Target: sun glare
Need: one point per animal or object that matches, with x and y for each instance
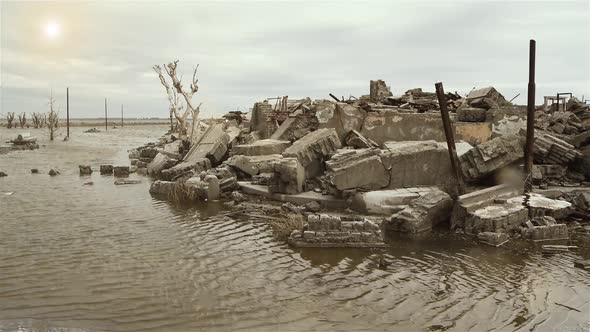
(52, 30)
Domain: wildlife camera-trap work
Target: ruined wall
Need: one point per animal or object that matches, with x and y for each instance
(395, 126)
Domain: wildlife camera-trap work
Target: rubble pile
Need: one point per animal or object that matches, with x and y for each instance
(386, 156)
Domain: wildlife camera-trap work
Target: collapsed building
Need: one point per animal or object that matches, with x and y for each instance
(386, 156)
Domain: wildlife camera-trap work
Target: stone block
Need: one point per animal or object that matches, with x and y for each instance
(121, 171)
(290, 176)
(314, 147)
(85, 169)
(362, 169)
(158, 164)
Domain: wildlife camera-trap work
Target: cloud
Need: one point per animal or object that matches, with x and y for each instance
(251, 50)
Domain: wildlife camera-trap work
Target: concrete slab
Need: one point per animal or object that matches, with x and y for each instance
(327, 201)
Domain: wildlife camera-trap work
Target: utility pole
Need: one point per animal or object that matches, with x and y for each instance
(444, 112)
(121, 115)
(68, 111)
(106, 117)
(530, 117)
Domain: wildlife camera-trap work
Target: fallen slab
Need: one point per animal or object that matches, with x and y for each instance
(423, 213)
(313, 149)
(212, 144)
(387, 201)
(488, 157)
(357, 169)
(302, 198)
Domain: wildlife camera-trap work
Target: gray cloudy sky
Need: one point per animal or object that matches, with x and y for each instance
(249, 50)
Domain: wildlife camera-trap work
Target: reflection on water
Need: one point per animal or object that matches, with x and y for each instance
(112, 258)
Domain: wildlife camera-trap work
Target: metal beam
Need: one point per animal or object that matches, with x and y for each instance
(444, 112)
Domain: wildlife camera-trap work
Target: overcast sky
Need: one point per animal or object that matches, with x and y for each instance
(251, 50)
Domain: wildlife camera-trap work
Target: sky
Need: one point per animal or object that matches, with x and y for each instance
(251, 50)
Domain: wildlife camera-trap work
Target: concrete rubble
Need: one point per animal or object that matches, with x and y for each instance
(385, 155)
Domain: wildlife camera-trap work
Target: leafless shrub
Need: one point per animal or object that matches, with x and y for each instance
(282, 228)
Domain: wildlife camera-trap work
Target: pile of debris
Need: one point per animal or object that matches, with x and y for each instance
(380, 155)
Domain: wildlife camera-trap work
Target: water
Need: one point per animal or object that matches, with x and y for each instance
(100, 257)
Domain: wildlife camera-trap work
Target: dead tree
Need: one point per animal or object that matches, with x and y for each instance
(9, 119)
(22, 119)
(175, 104)
(36, 118)
(51, 118)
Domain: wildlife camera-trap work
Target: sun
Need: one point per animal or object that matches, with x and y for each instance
(52, 29)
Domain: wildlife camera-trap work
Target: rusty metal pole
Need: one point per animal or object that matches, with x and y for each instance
(68, 111)
(106, 117)
(442, 102)
(530, 118)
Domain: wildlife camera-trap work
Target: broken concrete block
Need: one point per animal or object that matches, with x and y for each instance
(121, 171)
(540, 206)
(148, 152)
(312, 150)
(294, 128)
(486, 98)
(471, 114)
(417, 163)
(242, 163)
(488, 157)
(387, 201)
(261, 147)
(212, 145)
(467, 204)
(158, 164)
(549, 149)
(362, 168)
(290, 176)
(340, 116)
(204, 189)
(85, 169)
(492, 238)
(378, 91)
(422, 214)
(106, 169)
(160, 187)
(196, 166)
(52, 172)
(540, 233)
(358, 141)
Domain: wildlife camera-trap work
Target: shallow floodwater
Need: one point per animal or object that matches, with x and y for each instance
(100, 257)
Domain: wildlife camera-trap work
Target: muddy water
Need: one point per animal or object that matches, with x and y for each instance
(100, 257)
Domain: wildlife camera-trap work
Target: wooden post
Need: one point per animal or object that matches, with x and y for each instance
(440, 93)
(121, 115)
(106, 117)
(68, 111)
(530, 118)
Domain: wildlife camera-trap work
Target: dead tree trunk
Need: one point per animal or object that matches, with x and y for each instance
(22, 119)
(9, 119)
(174, 91)
(51, 119)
